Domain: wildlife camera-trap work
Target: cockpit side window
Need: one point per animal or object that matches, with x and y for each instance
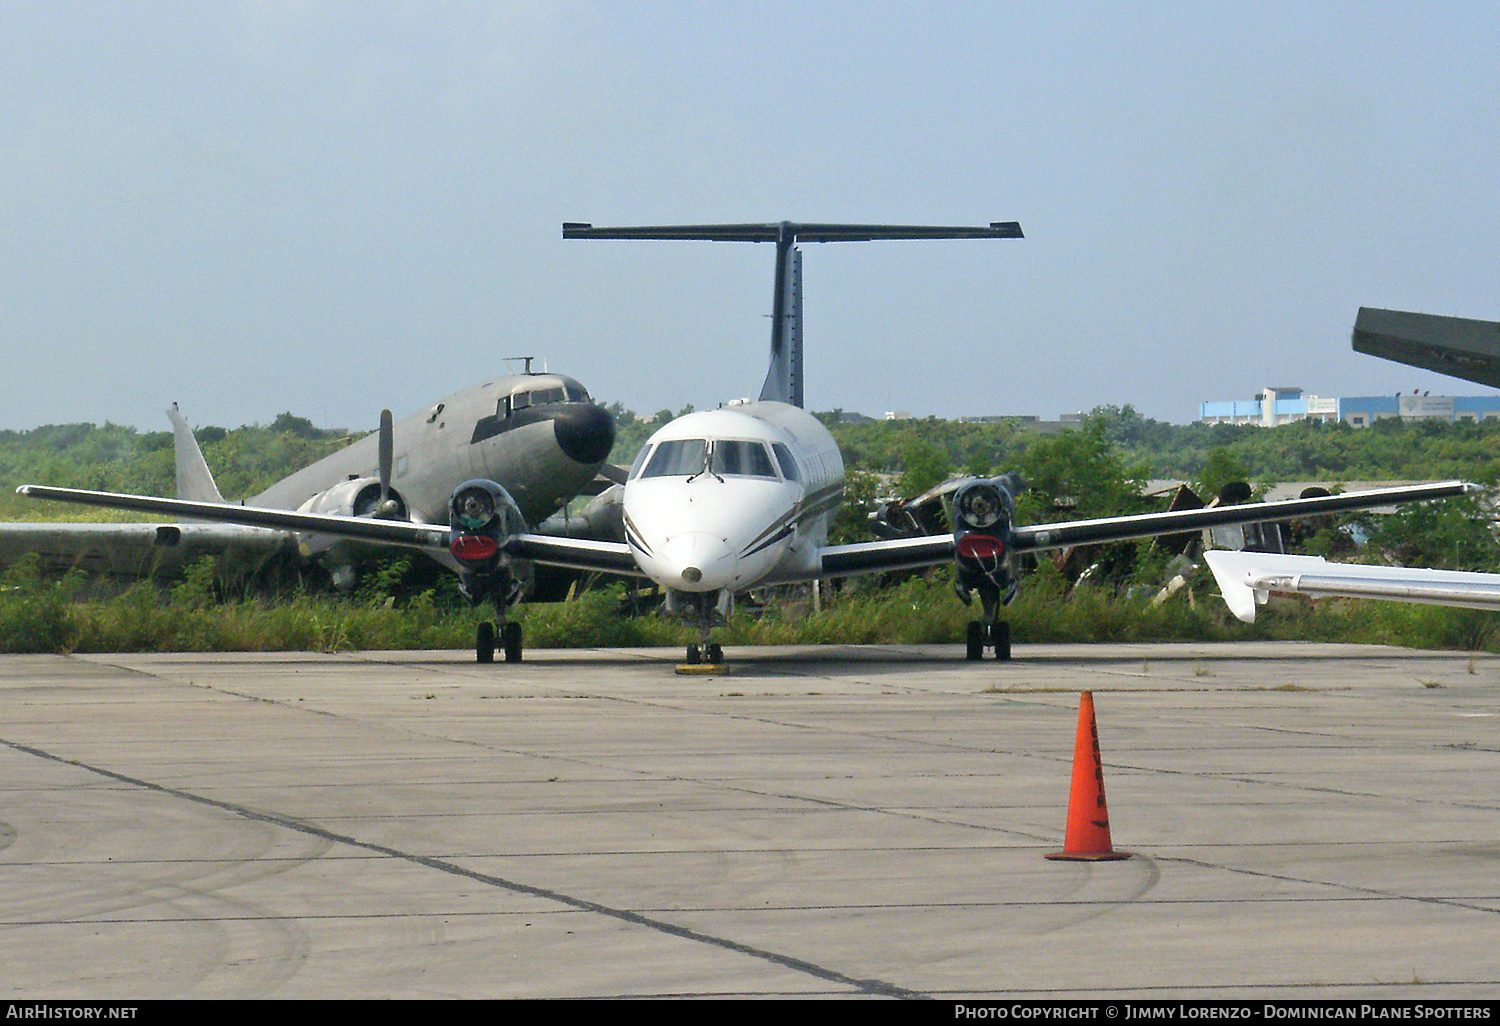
(679, 457)
(640, 461)
(741, 459)
(788, 463)
(577, 394)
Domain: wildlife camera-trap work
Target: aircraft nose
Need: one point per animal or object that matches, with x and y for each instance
(584, 432)
(700, 562)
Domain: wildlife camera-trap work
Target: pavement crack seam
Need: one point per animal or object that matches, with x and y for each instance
(874, 987)
(1370, 893)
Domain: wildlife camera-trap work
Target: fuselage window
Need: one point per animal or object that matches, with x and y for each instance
(680, 457)
(788, 463)
(741, 459)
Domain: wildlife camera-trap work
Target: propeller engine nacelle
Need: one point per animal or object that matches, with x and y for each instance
(983, 511)
(359, 497)
(481, 517)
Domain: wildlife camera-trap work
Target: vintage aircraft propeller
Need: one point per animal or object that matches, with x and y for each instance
(377, 500)
(387, 508)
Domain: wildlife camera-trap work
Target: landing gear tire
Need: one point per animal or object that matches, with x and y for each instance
(975, 640)
(510, 640)
(1000, 638)
(484, 643)
(715, 654)
(693, 656)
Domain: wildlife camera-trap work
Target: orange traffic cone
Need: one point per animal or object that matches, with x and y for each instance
(1088, 817)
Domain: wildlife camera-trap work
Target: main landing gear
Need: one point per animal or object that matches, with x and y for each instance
(487, 639)
(981, 635)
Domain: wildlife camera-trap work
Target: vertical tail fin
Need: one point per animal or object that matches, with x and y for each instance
(784, 378)
(194, 481)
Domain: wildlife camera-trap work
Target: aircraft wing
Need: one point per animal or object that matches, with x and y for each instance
(881, 556)
(1248, 578)
(1147, 525)
(391, 532)
(931, 550)
(574, 553)
(577, 553)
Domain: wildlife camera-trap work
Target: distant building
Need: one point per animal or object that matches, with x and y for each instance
(1030, 422)
(1276, 406)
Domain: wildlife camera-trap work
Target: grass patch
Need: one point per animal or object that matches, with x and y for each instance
(40, 615)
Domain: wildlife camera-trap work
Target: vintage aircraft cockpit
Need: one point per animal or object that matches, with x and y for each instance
(583, 430)
(541, 390)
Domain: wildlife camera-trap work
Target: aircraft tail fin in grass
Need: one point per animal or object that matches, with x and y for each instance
(194, 480)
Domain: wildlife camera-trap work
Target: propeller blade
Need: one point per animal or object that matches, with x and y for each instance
(387, 454)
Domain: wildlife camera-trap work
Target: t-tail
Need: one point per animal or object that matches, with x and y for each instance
(784, 378)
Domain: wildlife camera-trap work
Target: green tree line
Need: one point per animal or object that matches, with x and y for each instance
(1096, 470)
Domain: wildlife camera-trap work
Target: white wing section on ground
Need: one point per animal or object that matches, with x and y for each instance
(135, 550)
(1247, 579)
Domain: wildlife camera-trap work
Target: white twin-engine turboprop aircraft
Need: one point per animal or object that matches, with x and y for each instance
(741, 497)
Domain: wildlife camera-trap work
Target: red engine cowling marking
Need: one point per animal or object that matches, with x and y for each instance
(980, 546)
(470, 548)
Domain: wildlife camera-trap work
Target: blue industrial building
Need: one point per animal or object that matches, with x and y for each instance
(1276, 406)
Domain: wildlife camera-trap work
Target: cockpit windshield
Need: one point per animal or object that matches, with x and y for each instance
(741, 459)
(543, 395)
(687, 457)
(680, 457)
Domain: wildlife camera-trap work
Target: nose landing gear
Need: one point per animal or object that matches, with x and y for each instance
(708, 652)
(991, 632)
(704, 610)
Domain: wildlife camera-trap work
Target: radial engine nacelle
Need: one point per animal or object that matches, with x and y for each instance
(358, 497)
(983, 512)
(481, 517)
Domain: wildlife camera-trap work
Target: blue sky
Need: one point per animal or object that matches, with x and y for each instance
(251, 207)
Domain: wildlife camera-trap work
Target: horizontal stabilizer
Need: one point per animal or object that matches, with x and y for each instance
(795, 232)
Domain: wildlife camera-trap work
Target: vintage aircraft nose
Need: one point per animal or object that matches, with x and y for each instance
(584, 432)
(700, 562)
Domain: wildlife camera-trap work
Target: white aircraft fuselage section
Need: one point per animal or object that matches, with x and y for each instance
(733, 498)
